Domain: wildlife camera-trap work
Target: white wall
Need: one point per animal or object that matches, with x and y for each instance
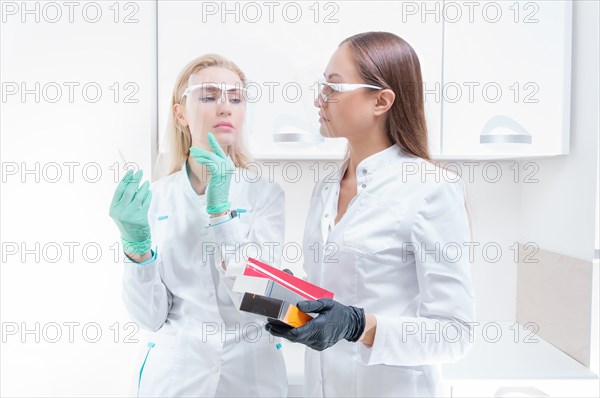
(595, 321)
(47, 210)
(560, 212)
(557, 212)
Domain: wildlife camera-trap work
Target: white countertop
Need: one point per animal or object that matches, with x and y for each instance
(516, 354)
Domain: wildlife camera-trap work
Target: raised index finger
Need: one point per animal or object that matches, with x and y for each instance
(214, 144)
(121, 187)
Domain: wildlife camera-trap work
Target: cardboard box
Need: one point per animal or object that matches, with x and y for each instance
(302, 288)
(277, 311)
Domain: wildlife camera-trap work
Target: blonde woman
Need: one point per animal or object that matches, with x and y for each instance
(180, 234)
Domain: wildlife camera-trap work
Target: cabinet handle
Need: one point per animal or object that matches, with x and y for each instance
(522, 136)
(290, 129)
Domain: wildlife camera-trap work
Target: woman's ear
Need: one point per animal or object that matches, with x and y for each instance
(384, 101)
(178, 112)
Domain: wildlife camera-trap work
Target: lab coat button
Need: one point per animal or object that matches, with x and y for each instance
(364, 185)
(364, 171)
(215, 369)
(208, 294)
(326, 215)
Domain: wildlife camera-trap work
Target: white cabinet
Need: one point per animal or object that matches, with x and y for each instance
(496, 74)
(507, 74)
(284, 47)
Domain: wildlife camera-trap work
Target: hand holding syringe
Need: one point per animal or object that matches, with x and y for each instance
(129, 210)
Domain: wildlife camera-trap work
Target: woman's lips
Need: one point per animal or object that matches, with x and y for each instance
(224, 126)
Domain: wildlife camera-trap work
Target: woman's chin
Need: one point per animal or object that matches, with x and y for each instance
(225, 137)
(325, 132)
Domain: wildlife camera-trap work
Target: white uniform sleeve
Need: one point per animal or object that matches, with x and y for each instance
(145, 295)
(441, 332)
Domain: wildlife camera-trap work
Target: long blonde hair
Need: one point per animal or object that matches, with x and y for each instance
(179, 138)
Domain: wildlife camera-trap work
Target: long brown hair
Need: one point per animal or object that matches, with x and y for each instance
(386, 60)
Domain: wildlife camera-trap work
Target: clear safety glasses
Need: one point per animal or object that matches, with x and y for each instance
(326, 89)
(213, 93)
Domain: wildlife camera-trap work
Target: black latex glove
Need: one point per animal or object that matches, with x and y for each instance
(334, 322)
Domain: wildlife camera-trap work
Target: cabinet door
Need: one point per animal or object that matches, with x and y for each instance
(507, 71)
(284, 48)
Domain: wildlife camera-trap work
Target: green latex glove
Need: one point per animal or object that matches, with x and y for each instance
(129, 210)
(221, 170)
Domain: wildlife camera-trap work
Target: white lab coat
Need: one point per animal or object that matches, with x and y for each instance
(204, 346)
(365, 261)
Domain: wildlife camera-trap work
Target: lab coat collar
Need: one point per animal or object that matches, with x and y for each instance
(186, 185)
(364, 172)
(371, 164)
(379, 160)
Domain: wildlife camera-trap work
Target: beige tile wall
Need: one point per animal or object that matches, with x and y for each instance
(555, 293)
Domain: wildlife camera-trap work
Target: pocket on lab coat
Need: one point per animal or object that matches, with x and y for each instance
(391, 381)
(373, 226)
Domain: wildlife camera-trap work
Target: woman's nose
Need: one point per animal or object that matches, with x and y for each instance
(224, 108)
(318, 102)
